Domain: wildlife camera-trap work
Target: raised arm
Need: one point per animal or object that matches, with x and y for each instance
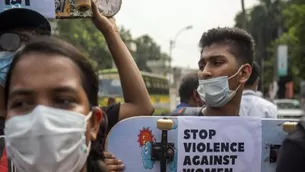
(137, 100)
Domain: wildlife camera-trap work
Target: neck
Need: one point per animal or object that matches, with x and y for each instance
(230, 109)
(252, 88)
(223, 111)
(192, 103)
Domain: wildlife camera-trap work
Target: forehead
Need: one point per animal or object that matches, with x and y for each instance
(41, 71)
(216, 50)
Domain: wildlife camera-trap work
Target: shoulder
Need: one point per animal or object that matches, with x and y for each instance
(115, 108)
(266, 105)
(112, 114)
(266, 102)
(188, 111)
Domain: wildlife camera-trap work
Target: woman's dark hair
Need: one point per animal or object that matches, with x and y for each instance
(55, 46)
(51, 45)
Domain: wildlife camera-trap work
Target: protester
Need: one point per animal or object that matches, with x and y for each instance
(225, 65)
(251, 103)
(188, 92)
(111, 101)
(139, 105)
(134, 106)
(18, 25)
(51, 100)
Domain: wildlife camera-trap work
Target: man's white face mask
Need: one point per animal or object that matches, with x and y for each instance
(215, 92)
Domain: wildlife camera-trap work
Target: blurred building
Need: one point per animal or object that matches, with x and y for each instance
(178, 73)
(174, 75)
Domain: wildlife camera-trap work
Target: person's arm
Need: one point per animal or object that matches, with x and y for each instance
(291, 158)
(137, 100)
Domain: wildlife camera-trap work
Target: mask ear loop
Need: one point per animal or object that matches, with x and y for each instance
(234, 76)
(236, 72)
(89, 116)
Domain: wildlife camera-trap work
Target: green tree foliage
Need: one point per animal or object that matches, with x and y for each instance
(294, 15)
(264, 23)
(148, 50)
(83, 34)
(275, 22)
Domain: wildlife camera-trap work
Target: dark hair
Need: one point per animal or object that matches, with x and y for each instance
(188, 84)
(51, 45)
(254, 75)
(240, 42)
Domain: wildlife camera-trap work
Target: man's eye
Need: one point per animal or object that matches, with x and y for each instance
(218, 63)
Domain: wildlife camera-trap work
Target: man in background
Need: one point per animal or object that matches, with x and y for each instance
(188, 92)
(252, 104)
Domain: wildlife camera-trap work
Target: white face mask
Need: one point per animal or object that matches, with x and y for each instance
(47, 139)
(215, 92)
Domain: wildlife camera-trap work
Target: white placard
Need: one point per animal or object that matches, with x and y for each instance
(227, 144)
(44, 7)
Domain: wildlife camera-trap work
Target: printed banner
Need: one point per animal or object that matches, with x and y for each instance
(64, 8)
(44, 7)
(227, 144)
(282, 60)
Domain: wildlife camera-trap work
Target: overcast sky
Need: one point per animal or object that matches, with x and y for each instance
(162, 19)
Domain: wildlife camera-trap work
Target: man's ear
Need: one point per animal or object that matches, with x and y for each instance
(196, 96)
(245, 73)
(97, 115)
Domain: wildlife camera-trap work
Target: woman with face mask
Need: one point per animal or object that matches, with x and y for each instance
(51, 99)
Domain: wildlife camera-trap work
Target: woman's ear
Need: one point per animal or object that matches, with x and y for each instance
(97, 115)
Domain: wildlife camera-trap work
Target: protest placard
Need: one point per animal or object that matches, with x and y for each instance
(44, 7)
(213, 144)
(52, 9)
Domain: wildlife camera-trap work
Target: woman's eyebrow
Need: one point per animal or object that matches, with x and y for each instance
(21, 91)
(65, 89)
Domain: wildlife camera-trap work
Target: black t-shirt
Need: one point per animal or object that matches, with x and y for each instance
(292, 153)
(112, 113)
